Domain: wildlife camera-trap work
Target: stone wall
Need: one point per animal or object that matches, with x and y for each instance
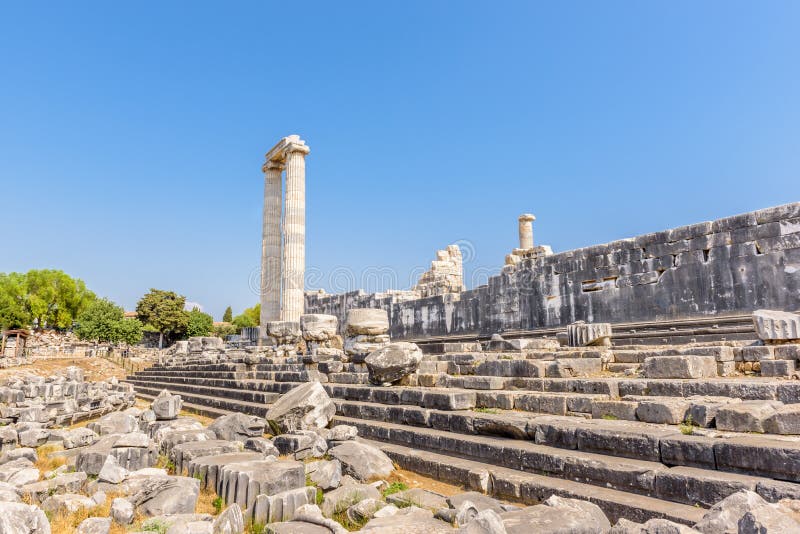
(728, 266)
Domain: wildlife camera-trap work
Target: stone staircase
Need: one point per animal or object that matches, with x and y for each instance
(528, 424)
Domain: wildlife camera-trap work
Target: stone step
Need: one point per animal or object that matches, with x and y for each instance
(240, 394)
(217, 366)
(219, 403)
(641, 441)
(692, 486)
(530, 488)
(219, 375)
(749, 388)
(511, 484)
(439, 398)
(199, 409)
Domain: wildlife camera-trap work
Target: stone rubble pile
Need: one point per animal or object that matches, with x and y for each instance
(313, 476)
(64, 398)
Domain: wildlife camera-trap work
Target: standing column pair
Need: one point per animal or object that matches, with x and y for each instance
(283, 267)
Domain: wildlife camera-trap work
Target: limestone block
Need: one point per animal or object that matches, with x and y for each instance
(663, 410)
(393, 362)
(787, 352)
(194, 344)
(161, 495)
(261, 445)
(166, 406)
(361, 461)
(614, 409)
(318, 327)
(306, 407)
(703, 410)
(80, 437)
(364, 510)
(680, 367)
(18, 518)
(746, 416)
(341, 499)
(122, 511)
(558, 514)
(301, 444)
(367, 321)
(776, 325)
(582, 334)
(38, 492)
(237, 427)
(114, 423)
(777, 367)
(325, 474)
(212, 343)
(725, 515)
(112, 472)
(285, 332)
(785, 420)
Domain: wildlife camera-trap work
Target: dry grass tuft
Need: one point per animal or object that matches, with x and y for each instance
(208, 502)
(67, 523)
(46, 461)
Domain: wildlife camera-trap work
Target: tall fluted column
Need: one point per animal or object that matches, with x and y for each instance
(294, 234)
(526, 231)
(271, 245)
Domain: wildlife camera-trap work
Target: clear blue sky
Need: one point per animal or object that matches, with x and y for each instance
(132, 133)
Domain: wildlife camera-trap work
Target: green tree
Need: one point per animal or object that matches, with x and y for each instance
(47, 297)
(13, 309)
(249, 317)
(105, 321)
(130, 331)
(224, 330)
(200, 324)
(163, 310)
(227, 317)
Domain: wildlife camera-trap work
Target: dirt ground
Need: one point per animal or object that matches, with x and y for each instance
(413, 480)
(95, 369)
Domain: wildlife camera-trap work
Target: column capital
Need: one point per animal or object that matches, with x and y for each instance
(290, 143)
(272, 165)
(527, 217)
(297, 147)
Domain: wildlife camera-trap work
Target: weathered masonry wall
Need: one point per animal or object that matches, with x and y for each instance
(728, 266)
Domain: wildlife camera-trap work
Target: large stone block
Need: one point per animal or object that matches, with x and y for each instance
(393, 362)
(774, 325)
(367, 321)
(747, 416)
(318, 327)
(306, 407)
(166, 406)
(238, 427)
(361, 461)
(680, 367)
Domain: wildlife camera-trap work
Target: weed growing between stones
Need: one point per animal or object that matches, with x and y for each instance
(394, 487)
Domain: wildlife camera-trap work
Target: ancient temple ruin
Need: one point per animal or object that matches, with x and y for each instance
(283, 245)
(648, 383)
